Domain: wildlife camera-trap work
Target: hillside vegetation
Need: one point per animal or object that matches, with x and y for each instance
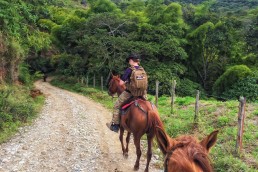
(188, 43)
(211, 46)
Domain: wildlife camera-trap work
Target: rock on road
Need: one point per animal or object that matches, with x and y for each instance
(69, 135)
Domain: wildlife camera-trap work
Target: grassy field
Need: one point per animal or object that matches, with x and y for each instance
(212, 115)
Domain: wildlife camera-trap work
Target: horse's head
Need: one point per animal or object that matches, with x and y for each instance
(114, 86)
(185, 153)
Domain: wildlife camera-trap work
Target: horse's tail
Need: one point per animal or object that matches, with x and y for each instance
(153, 121)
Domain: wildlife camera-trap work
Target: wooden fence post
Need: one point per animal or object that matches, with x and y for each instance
(241, 118)
(108, 78)
(87, 80)
(196, 108)
(94, 81)
(101, 83)
(157, 93)
(173, 95)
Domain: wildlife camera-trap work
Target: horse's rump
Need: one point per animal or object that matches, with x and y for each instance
(141, 115)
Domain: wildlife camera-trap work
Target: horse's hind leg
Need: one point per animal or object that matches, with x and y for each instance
(122, 140)
(138, 151)
(127, 144)
(149, 152)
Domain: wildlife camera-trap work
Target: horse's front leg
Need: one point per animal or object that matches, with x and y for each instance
(149, 152)
(127, 144)
(138, 151)
(122, 139)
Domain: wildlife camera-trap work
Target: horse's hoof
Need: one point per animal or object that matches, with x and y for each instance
(126, 155)
(136, 168)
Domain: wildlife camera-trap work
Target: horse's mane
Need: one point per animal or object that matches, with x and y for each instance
(117, 78)
(191, 151)
(114, 83)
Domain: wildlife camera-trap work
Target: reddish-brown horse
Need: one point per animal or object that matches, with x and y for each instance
(185, 153)
(142, 117)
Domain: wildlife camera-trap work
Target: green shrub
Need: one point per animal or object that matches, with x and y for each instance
(37, 75)
(164, 101)
(187, 87)
(255, 112)
(4, 94)
(78, 87)
(223, 121)
(247, 87)
(89, 90)
(21, 110)
(24, 74)
(70, 80)
(69, 65)
(184, 100)
(46, 24)
(164, 73)
(4, 117)
(251, 60)
(231, 164)
(16, 107)
(229, 78)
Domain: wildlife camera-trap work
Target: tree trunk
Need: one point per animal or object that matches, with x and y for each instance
(13, 72)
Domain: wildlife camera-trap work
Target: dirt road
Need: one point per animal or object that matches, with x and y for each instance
(69, 135)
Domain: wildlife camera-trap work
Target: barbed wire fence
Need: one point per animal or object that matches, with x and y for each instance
(172, 90)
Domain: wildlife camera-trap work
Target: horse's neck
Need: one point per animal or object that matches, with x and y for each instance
(120, 89)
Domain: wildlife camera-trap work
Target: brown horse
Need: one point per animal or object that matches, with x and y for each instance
(185, 153)
(142, 117)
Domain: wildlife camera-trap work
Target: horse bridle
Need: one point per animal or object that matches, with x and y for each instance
(169, 154)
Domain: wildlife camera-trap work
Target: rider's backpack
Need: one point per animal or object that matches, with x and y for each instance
(138, 82)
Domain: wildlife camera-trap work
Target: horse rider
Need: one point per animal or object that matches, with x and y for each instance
(133, 60)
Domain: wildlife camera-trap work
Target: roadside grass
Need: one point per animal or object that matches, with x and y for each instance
(17, 108)
(213, 115)
(93, 93)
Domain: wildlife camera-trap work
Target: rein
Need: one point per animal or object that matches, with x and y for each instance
(139, 106)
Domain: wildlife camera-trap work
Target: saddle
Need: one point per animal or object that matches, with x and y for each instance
(132, 100)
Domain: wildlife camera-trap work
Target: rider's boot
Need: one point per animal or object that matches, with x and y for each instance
(113, 127)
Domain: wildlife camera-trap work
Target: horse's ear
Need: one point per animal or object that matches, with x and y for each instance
(210, 140)
(163, 140)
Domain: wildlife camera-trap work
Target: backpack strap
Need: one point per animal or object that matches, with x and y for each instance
(133, 68)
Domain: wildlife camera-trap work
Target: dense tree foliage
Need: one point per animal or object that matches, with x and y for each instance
(195, 44)
(209, 45)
